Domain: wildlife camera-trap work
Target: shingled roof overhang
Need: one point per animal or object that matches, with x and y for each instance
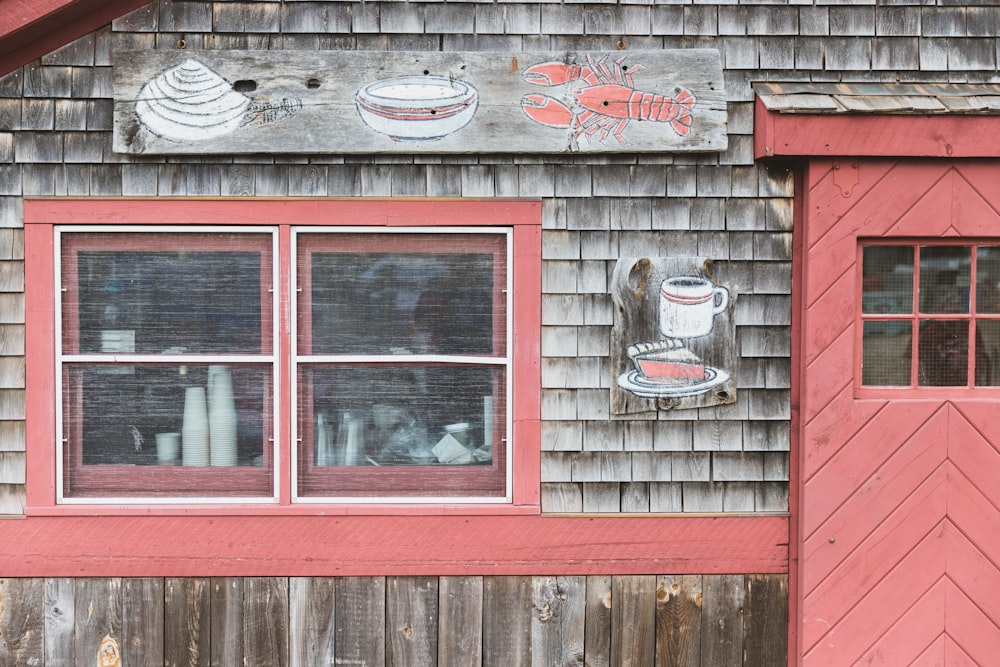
(876, 120)
(32, 28)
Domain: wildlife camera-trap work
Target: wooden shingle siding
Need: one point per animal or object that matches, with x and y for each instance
(56, 117)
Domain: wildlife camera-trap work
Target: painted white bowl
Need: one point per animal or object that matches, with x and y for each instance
(417, 108)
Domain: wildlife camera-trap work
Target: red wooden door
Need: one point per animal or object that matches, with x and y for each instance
(899, 495)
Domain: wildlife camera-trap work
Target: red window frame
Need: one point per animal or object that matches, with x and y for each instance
(915, 317)
(89, 482)
(522, 218)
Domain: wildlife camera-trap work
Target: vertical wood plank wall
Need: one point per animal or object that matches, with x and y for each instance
(662, 620)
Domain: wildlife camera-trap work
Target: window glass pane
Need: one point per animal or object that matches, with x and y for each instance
(887, 282)
(166, 293)
(886, 349)
(944, 279)
(403, 294)
(407, 415)
(943, 353)
(121, 415)
(988, 279)
(988, 353)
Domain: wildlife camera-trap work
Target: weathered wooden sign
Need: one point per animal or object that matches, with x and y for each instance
(199, 102)
(674, 340)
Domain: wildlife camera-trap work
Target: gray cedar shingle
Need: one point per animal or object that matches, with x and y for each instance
(634, 213)
(558, 498)
(139, 180)
(778, 374)
(983, 21)
(671, 214)
(665, 497)
(766, 436)
(537, 180)
(556, 467)
(769, 403)
(740, 245)
(69, 114)
(764, 341)
(52, 81)
(650, 467)
(809, 52)
(12, 468)
(143, 19)
(477, 181)
(592, 277)
(777, 53)
(12, 499)
(598, 245)
(82, 147)
(773, 20)
(560, 20)
(376, 180)
(616, 466)
(771, 497)
(639, 436)
(77, 180)
(601, 497)
(106, 180)
(744, 214)
(707, 214)
(852, 21)
(943, 22)
(574, 181)
(738, 466)
(12, 308)
(10, 114)
(602, 436)
(505, 180)
(489, 19)
(91, 82)
(741, 52)
(561, 373)
(365, 17)
(717, 436)
(42, 179)
(12, 280)
(682, 181)
(763, 309)
(899, 53)
(37, 114)
(10, 179)
(586, 467)
(598, 310)
(444, 180)
(667, 20)
(344, 180)
(12, 83)
(12, 436)
(973, 54)
(100, 114)
(450, 18)
(237, 180)
(401, 17)
(733, 20)
(738, 497)
(179, 16)
(674, 436)
(409, 181)
(776, 467)
(559, 341)
(588, 213)
(558, 404)
(744, 181)
(897, 21)
(561, 244)
(592, 341)
(307, 180)
(593, 404)
(713, 181)
(850, 53)
(702, 497)
(78, 52)
(934, 54)
(752, 374)
(635, 497)
(38, 147)
(701, 20)
(11, 212)
(603, 20)
(772, 277)
(11, 400)
(779, 214)
(522, 18)
(713, 244)
(607, 182)
(563, 309)
(562, 436)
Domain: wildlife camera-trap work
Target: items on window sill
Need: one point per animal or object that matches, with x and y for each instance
(168, 448)
(195, 431)
(208, 433)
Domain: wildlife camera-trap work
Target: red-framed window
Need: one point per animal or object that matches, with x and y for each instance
(930, 315)
(285, 353)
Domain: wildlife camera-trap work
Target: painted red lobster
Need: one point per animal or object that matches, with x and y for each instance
(606, 104)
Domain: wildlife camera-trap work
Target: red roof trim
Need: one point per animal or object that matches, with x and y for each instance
(872, 135)
(31, 28)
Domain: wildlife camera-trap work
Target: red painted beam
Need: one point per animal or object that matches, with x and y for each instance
(31, 28)
(124, 546)
(862, 135)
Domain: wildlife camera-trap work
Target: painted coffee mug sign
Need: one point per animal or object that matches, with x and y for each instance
(674, 339)
(204, 102)
(688, 306)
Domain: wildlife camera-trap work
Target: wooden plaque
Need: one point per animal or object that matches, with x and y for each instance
(674, 339)
(210, 102)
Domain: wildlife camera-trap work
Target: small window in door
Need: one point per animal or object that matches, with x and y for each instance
(923, 325)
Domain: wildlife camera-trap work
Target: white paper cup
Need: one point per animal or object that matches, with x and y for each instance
(168, 446)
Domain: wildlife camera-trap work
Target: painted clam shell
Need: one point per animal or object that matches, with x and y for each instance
(190, 102)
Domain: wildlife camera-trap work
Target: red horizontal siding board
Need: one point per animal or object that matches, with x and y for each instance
(126, 546)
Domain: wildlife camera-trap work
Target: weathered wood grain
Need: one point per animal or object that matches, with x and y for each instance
(142, 622)
(765, 621)
(597, 638)
(187, 611)
(60, 622)
(722, 620)
(21, 621)
(633, 616)
(558, 621)
(678, 621)
(460, 621)
(227, 640)
(411, 620)
(360, 616)
(507, 621)
(98, 617)
(311, 621)
(323, 86)
(265, 622)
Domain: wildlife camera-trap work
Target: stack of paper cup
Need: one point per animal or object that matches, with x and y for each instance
(194, 432)
(221, 417)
